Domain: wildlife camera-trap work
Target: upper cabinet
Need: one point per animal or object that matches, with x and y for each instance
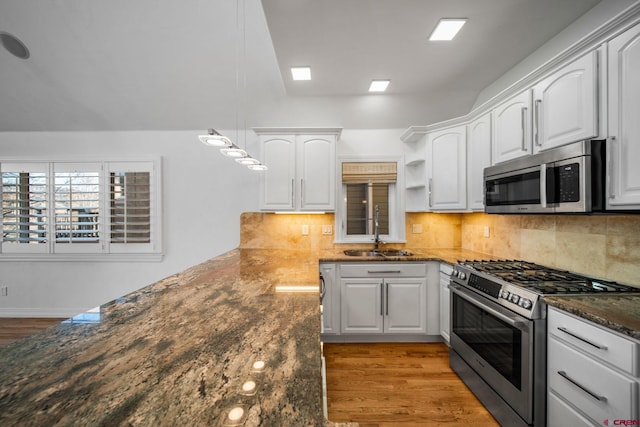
(565, 104)
(302, 169)
(512, 128)
(447, 186)
(478, 158)
(623, 146)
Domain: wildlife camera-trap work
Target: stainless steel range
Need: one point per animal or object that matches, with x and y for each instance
(498, 332)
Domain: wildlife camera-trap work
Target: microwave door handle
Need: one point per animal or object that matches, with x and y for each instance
(543, 185)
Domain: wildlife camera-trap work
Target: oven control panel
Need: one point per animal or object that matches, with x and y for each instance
(514, 297)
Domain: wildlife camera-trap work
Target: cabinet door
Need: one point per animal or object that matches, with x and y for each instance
(330, 300)
(279, 153)
(361, 308)
(624, 121)
(565, 105)
(316, 172)
(512, 128)
(478, 158)
(445, 309)
(448, 183)
(405, 305)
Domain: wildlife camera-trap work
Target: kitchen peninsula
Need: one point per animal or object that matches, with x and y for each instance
(178, 352)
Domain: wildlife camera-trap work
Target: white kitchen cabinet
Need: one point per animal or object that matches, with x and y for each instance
(623, 146)
(301, 174)
(447, 185)
(565, 104)
(592, 372)
(445, 298)
(511, 128)
(329, 299)
(416, 175)
(478, 158)
(383, 298)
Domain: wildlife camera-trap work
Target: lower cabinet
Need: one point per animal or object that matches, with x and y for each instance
(592, 373)
(445, 298)
(383, 305)
(380, 301)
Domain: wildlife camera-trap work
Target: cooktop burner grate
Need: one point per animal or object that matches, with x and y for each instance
(545, 280)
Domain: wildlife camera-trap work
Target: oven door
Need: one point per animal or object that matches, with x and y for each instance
(497, 344)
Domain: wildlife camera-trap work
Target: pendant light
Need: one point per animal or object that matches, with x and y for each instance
(215, 139)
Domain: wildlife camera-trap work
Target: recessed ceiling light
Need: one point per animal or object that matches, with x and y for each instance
(301, 73)
(379, 85)
(447, 29)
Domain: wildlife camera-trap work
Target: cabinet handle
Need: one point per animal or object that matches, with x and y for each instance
(323, 288)
(538, 111)
(386, 298)
(611, 143)
(566, 331)
(564, 375)
(293, 192)
(384, 272)
(430, 183)
(381, 299)
(523, 118)
(301, 192)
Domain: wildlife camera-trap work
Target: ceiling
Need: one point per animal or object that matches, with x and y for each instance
(189, 64)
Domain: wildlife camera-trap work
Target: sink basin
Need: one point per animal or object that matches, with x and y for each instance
(395, 252)
(388, 252)
(362, 252)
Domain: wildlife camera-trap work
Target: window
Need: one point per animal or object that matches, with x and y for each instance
(80, 208)
(368, 186)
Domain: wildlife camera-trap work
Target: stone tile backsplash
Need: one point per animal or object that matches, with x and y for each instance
(606, 246)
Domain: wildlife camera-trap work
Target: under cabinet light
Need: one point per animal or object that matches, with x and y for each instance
(447, 29)
(379, 85)
(301, 73)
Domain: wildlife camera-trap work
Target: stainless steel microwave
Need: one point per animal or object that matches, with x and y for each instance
(567, 179)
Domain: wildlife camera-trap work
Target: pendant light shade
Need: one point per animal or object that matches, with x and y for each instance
(214, 139)
(248, 160)
(233, 151)
(259, 167)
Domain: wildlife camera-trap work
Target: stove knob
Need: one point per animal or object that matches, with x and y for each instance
(514, 298)
(505, 294)
(525, 303)
(454, 273)
(462, 275)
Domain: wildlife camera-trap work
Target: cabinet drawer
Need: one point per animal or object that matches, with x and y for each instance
(383, 269)
(601, 393)
(559, 413)
(616, 350)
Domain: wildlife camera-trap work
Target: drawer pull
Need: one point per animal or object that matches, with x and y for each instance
(566, 331)
(564, 375)
(384, 272)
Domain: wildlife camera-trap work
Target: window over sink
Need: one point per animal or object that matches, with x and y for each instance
(368, 186)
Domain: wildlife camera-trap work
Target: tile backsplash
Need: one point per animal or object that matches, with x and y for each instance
(606, 246)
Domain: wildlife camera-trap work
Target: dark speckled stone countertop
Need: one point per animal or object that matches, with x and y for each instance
(620, 313)
(177, 353)
(450, 256)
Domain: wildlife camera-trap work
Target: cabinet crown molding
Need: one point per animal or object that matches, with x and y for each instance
(337, 131)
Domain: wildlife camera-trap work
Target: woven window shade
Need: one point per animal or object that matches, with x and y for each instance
(369, 172)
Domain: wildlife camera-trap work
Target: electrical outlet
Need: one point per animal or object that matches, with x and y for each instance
(487, 231)
(327, 229)
(5, 291)
(416, 228)
(305, 229)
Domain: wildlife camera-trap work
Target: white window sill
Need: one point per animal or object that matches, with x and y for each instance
(83, 257)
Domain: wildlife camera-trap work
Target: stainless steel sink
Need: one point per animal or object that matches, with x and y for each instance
(361, 252)
(387, 252)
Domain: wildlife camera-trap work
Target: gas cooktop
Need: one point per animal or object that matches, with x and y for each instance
(544, 280)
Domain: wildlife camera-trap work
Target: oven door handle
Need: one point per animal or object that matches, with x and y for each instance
(511, 321)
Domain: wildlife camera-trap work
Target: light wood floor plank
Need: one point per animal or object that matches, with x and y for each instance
(390, 384)
(12, 329)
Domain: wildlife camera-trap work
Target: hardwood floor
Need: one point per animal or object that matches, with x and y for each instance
(12, 329)
(385, 385)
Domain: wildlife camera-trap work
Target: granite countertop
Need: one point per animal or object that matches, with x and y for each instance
(620, 313)
(178, 352)
(450, 256)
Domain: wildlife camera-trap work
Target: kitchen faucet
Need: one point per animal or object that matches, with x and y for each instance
(376, 230)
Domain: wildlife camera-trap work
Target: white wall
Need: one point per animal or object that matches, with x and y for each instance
(204, 194)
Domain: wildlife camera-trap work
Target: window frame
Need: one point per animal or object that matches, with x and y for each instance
(104, 250)
(396, 204)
